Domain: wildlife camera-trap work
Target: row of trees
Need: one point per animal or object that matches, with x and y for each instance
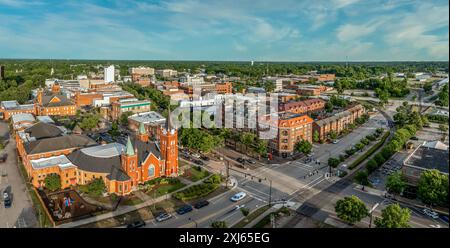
(443, 97)
(352, 209)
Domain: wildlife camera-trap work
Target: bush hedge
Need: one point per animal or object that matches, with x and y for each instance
(199, 190)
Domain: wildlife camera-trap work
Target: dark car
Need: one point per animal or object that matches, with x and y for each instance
(250, 161)
(199, 162)
(136, 224)
(7, 197)
(240, 160)
(414, 138)
(201, 204)
(204, 158)
(3, 157)
(184, 209)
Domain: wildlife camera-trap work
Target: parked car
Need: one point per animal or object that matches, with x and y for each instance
(184, 209)
(239, 196)
(250, 161)
(3, 157)
(136, 224)
(444, 218)
(240, 160)
(335, 141)
(414, 138)
(430, 213)
(195, 155)
(204, 158)
(7, 200)
(201, 204)
(163, 217)
(199, 162)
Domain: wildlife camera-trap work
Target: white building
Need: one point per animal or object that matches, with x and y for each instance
(109, 74)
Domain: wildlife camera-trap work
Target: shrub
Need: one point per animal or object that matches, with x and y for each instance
(371, 166)
(341, 158)
(365, 141)
(379, 159)
(350, 151)
(371, 137)
(359, 146)
(52, 182)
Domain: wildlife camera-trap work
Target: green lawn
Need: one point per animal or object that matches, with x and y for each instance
(194, 174)
(165, 189)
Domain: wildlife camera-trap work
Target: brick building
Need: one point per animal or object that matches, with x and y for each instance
(338, 121)
(129, 105)
(301, 107)
(77, 159)
(10, 108)
(290, 128)
(54, 103)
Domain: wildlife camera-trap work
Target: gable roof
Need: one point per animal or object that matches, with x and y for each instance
(48, 100)
(43, 130)
(58, 143)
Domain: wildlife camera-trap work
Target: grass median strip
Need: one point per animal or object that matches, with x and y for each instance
(369, 152)
(253, 215)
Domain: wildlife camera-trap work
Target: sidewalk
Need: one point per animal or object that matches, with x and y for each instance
(126, 209)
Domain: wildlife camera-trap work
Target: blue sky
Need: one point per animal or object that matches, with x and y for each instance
(275, 30)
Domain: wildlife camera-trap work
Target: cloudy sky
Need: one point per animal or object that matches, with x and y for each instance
(276, 30)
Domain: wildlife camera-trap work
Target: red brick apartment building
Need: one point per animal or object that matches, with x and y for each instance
(290, 129)
(301, 107)
(339, 121)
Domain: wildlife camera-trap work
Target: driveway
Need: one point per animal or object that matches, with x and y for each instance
(21, 213)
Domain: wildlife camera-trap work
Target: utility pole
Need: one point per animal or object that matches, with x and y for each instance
(227, 173)
(195, 222)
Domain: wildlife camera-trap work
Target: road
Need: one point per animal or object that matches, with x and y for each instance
(21, 213)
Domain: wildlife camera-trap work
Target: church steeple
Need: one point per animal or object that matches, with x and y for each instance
(168, 126)
(130, 150)
(142, 133)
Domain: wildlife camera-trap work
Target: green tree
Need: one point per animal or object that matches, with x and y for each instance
(89, 122)
(52, 182)
(124, 118)
(333, 134)
(361, 177)
(329, 107)
(351, 209)
(219, 224)
(444, 130)
(96, 187)
(396, 183)
(316, 137)
(114, 131)
(303, 146)
(333, 162)
(245, 211)
(433, 187)
(393, 216)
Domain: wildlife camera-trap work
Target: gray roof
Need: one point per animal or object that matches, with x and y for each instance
(112, 165)
(45, 118)
(43, 130)
(60, 160)
(58, 143)
(22, 117)
(148, 117)
(144, 149)
(429, 158)
(63, 100)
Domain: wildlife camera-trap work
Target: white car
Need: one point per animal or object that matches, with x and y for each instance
(239, 196)
(196, 155)
(335, 141)
(430, 213)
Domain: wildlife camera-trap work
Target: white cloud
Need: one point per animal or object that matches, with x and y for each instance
(351, 31)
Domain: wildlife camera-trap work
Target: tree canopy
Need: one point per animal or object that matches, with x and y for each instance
(433, 187)
(52, 182)
(351, 209)
(393, 216)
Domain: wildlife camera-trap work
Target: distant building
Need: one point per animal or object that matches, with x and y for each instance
(10, 108)
(150, 120)
(427, 156)
(256, 90)
(338, 122)
(129, 105)
(146, 71)
(167, 73)
(54, 103)
(109, 74)
(301, 107)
